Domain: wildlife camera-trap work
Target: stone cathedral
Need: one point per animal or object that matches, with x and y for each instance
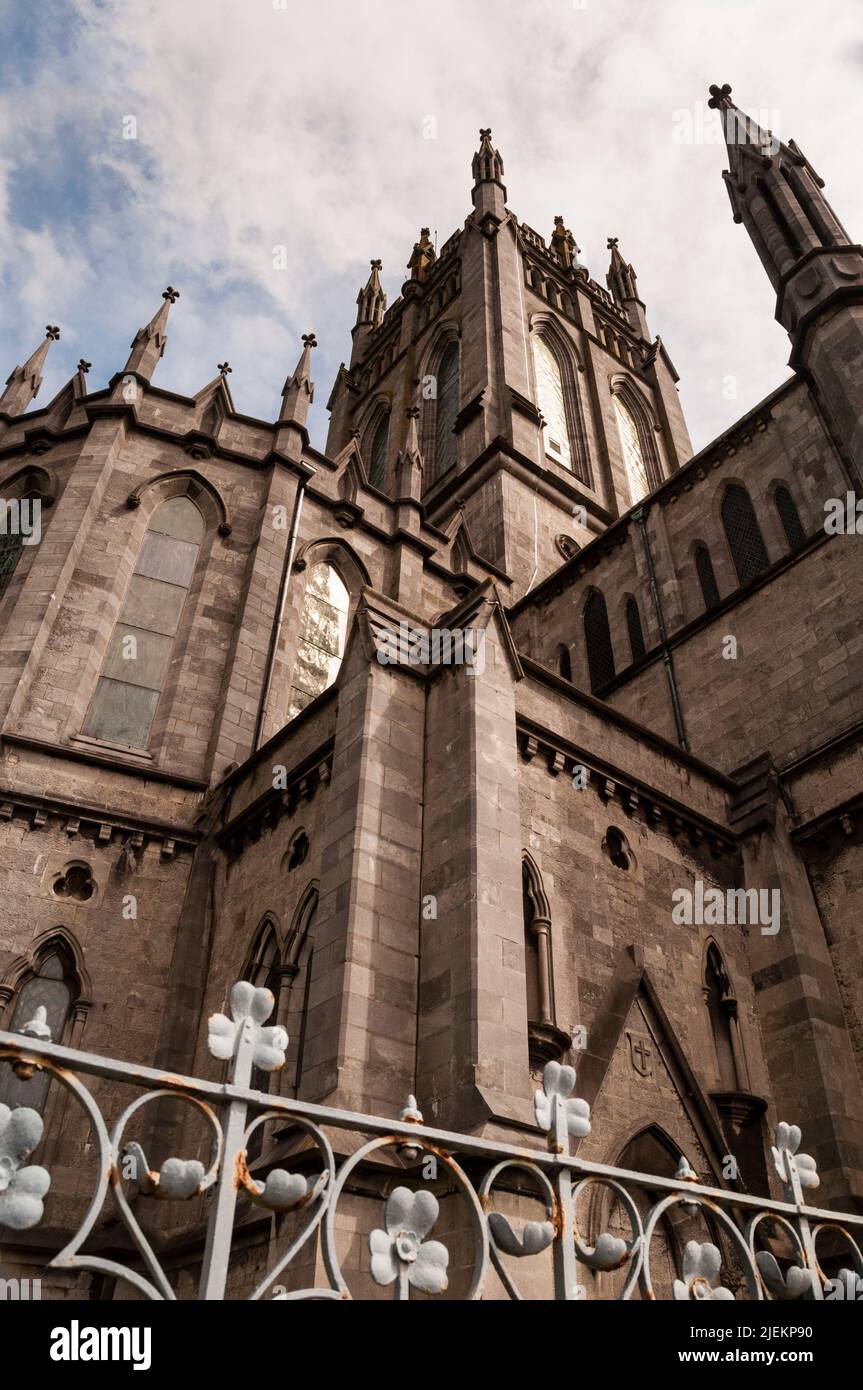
(219, 760)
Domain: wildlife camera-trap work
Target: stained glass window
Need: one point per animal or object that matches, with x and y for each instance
(637, 477)
(138, 654)
(551, 402)
(321, 642)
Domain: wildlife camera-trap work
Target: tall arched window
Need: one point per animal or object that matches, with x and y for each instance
(633, 626)
(721, 1006)
(551, 401)
(706, 577)
(321, 641)
(546, 1042)
(139, 653)
(17, 516)
(637, 474)
(446, 412)
(300, 961)
(52, 983)
(378, 452)
(790, 517)
(743, 533)
(597, 639)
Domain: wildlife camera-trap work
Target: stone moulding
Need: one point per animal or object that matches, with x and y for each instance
(656, 811)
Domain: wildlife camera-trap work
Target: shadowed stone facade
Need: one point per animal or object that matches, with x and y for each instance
(451, 872)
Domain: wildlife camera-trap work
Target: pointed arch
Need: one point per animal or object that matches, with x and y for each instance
(378, 449)
(440, 406)
(597, 641)
(137, 663)
(636, 429)
(564, 662)
(183, 482)
(706, 577)
(720, 999)
(634, 628)
(743, 533)
(556, 364)
(789, 516)
(51, 975)
(545, 1041)
(25, 496)
(300, 961)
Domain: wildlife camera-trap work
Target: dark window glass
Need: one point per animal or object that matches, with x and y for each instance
(378, 461)
(50, 989)
(633, 623)
(597, 637)
(446, 412)
(744, 534)
(10, 554)
(564, 662)
(706, 577)
(790, 518)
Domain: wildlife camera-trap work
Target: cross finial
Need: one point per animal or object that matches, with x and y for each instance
(84, 367)
(52, 332)
(171, 294)
(413, 412)
(485, 133)
(224, 368)
(612, 243)
(310, 340)
(376, 265)
(720, 97)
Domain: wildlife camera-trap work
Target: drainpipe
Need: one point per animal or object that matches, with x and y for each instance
(639, 515)
(277, 625)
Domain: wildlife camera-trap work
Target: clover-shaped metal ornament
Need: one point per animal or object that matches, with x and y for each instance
(793, 1284)
(176, 1181)
(558, 1083)
(250, 1008)
(701, 1265)
(21, 1188)
(788, 1162)
(400, 1252)
(284, 1191)
(534, 1236)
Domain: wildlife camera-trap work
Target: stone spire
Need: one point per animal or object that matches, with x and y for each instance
(488, 194)
(621, 280)
(775, 193)
(371, 301)
(299, 389)
(815, 269)
(563, 245)
(423, 257)
(25, 381)
(148, 345)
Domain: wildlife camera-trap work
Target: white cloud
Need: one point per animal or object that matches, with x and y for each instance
(259, 126)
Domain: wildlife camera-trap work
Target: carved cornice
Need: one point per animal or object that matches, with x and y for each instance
(99, 826)
(615, 788)
(275, 803)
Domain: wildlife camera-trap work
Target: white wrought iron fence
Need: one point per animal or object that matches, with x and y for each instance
(403, 1253)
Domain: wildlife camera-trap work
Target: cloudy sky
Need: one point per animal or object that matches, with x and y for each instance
(337, 129)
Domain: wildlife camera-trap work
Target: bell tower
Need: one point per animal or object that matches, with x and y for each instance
(546, 409)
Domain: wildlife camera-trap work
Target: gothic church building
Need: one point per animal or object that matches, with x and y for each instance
(449, 873)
